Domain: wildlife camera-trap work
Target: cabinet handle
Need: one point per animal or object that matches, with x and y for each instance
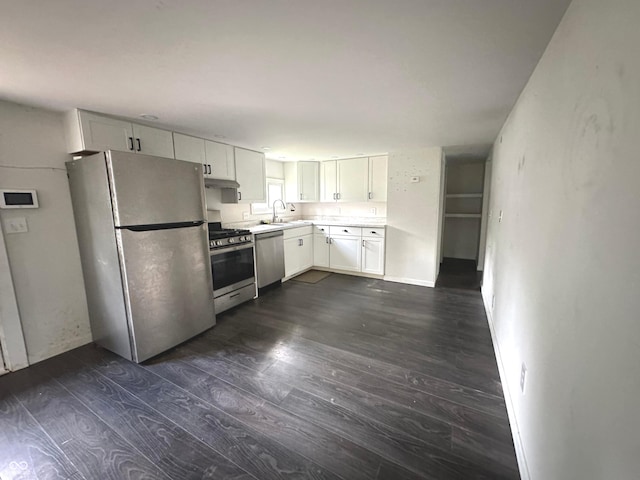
(326, 240)
(300, 196)
(299, 242)
(209, 165)
(337, 196)
(363, 243)
(374, 232)
(345, 231)
(370, 195)
(139, 145)
(131, 144)
(239, 195)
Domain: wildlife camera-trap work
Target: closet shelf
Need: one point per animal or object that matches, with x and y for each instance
(464, 195)
(463, 215)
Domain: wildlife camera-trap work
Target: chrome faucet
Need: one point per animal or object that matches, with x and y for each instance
(273, 220)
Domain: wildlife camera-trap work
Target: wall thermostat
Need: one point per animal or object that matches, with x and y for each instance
(18, 199)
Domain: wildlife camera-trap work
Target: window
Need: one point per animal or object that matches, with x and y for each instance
(275, 191)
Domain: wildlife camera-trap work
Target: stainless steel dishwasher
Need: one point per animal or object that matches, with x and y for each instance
(269, 257)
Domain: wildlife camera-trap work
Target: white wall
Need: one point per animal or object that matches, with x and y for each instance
(563, 263)
(413, 215)
(363, 210)
(45, 262)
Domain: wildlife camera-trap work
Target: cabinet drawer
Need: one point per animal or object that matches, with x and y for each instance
(373, 232)
(336, 231)
(321, 229)
(298, 232)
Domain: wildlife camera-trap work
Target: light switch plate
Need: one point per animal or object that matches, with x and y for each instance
(16, 225)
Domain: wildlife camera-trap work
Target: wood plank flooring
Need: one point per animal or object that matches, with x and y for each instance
(348, 378)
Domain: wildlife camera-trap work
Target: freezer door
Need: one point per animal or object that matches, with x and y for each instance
(149, 190)
(168, 287)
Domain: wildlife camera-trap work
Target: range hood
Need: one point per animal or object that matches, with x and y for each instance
(219, 183)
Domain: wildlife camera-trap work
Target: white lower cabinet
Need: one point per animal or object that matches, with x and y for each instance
(321, 246)
(351, 249)
(373, 250)
(298, 251)
(345, 251)
(373, 255)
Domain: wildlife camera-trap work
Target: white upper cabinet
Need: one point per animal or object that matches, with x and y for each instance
(153, 141)
(89, 132)
(250, 174)
(188, 148)
(352, 179)
(344, 180)
(302, 181)
(378, 179)
(328, 185)
(220, 160)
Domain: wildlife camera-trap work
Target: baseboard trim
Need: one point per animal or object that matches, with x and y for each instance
(410, 281)
(515, 431)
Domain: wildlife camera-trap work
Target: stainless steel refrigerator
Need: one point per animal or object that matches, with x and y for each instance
(142, 231)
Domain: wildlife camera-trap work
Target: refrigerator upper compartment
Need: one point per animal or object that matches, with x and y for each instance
(152, 190)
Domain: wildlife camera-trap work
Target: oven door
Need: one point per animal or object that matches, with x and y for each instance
(232, 268)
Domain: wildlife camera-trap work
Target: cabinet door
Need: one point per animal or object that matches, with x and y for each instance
(373, 255)
(291, 257)
(306, 252)
(308, 181)
(353, 180)
(104, 133)
(153, 141)
(220, 160)
(378, 179)
(190, 149)
(346, 253)
(328, 185)
(321, 250)
(250, 174)
(291, 194)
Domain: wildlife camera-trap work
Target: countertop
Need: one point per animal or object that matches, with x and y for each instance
(272, 227)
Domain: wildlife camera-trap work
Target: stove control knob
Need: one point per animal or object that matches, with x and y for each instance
(232, 240)
(218, 242)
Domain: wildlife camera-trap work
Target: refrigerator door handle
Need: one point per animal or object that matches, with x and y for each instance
(161, 226)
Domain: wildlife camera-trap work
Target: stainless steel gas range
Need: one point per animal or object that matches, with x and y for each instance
(232, 266)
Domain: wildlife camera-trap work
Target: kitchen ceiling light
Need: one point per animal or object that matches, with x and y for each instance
(148, 116)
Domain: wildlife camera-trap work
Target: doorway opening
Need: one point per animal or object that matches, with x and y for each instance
(462, 223)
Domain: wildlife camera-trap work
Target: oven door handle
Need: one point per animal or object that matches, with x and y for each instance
(235, 248)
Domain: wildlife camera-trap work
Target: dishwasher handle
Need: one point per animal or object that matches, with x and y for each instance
(263, 236)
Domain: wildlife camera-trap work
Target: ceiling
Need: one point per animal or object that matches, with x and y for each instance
(307, 78)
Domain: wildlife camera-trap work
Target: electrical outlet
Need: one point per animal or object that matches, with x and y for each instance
(245, 215)
(523, 377)
(373, 211)
(16, 225)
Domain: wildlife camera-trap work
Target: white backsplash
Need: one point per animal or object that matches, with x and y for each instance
(239, 215)
(371, 212)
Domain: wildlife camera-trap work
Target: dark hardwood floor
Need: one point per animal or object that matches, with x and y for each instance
(459, 273)
(348, 378)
